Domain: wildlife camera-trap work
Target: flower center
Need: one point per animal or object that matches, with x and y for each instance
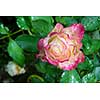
(57, 49)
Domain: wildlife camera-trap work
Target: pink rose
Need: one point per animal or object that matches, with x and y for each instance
(62, 46)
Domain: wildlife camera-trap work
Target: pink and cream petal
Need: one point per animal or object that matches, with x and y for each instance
(52, 61)
(40, 44)
(72, 62)
(58, 28)
(81, 57)
(45, 42)
(68, 65)
(75, 31)
(78, 29)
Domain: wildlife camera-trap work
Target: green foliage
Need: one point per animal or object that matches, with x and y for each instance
(37, 24)
(67, 21)
(90, 23)
(48, 19)
(16, 52)
(27, 42)
(89, 78)
(86, 65)
(70, 77)
(97, 73)
(90, 45)
(51, 72)
(41, 28)
(18, 42)
(96, 35)
(3, 30)
(95, 61)
(21, 22)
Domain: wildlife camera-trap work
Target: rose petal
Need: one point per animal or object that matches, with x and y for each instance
(58, 28)
(72, 62)
(53, 62)
(78, 29)
(81, 57)
(40, 44)
(67, 65)
(52, 33)
(75, 31)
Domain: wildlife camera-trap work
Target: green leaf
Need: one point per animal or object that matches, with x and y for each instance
(90, 46)
(86, 65)
(95, 61)
(49, 79)
(41, 27)
(67, 21)
(35, 79)
(16, 52)
(49, 19)
(22, 23)
(3, 30)
(27, 42)
(70, 77)
(52, 70)
(51, 73)
(96, 35)
(78, 18)
(90, 23)
(41, 66)
(44, 67)
(58, 18)
(97, 73)
(89, 78)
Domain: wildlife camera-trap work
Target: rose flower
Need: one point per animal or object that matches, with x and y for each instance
(62, 46)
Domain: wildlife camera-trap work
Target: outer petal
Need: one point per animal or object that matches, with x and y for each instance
(75, 31)
(41, 50)
(40, 44)
(68, 65)
(58, 28)
(53, 62)
(78, 29)
(72, 62)
(81, 57)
